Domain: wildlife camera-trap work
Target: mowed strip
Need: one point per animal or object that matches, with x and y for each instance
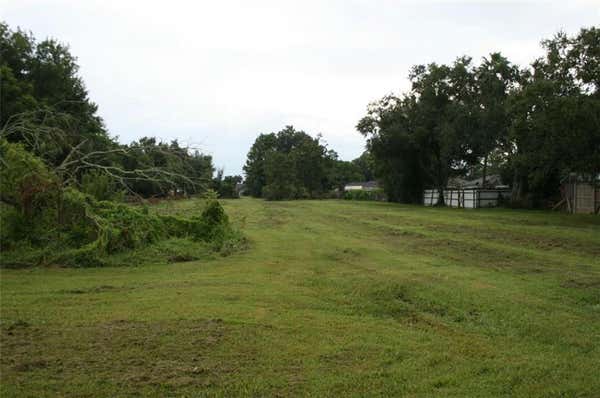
(331, 298)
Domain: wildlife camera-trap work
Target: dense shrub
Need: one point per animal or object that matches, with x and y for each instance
(43, 222)
(25, 181)
(101, 186)
(108, 227)
(26, 188)
(226, 187)
(281, 191)
(89, 230)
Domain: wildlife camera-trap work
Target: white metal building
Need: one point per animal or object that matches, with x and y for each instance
(469, 198)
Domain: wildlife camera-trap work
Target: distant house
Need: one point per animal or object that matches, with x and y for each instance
(361, 186)
(240, 188)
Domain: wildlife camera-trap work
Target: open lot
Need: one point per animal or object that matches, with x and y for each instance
(332, 298)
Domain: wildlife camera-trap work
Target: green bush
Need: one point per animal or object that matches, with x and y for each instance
(27, 189)
(101, 186)
(14, 227)
(43, 222)
(279, 191)
(99, 228)
(88, 231)
(25, 181)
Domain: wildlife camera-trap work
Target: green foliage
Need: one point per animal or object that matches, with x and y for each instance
(290, 164)
(397, 148)
(531, 126)
(226, 187)
(556, 117)
(25, 181)
(373, 194)
(214, 215)
(44, 75)
(46, 107)
(102, 227)
(366, 166)
(83, 231)
(282, 190)
(343, 172)
(170, 167)
(101, 186)
(281, 178)
(61, 174)
(14, 227)
(163, 252)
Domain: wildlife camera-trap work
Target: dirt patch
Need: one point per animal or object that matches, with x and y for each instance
(344, 255)
(398, 302)
(275, 215)
(403, 233)
(582, 283)
(30, 365)
(181, 258)
(404, 304)
(586, 290)
(131, 353)
(16, 325)
(485, 255)
(522, 238)
(95, 289)
(345, 357)
(464, 247)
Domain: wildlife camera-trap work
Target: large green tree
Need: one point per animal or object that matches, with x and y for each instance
(426, 136)
(555, 117)
(534, 126)
(255, 167)
(495, 79)
(43, 76)
(365, 164)
(288, 164)
(45, 106)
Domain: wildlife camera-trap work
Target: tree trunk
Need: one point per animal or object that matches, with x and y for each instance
(441, 179)
(485, 161)
(441, 201)
(516, 188)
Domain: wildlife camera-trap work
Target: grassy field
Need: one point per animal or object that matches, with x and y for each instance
(331, 298)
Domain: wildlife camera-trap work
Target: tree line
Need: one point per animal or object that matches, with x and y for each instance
(63, 177)
(290, 164)
(45, 107)
(532, 125)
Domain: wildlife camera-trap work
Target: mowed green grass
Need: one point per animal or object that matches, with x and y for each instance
(332, 298)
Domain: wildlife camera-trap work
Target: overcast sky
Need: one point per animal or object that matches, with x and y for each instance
(215, 74)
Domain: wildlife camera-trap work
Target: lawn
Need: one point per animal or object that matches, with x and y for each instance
(331, 298)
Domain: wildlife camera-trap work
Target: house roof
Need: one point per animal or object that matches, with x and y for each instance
(493, 179)
(580, 178)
